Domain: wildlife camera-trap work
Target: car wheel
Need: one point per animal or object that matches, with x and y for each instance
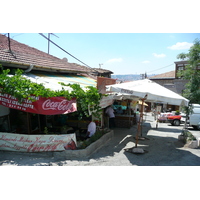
(176, 122)
(196, 127)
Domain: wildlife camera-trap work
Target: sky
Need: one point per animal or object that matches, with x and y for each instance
(121, 53)
(125, 37)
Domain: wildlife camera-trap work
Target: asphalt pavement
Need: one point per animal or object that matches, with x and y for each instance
(161, 146)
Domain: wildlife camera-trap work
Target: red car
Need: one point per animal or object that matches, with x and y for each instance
(175, 120)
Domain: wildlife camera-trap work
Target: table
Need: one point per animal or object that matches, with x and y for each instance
(125, 121)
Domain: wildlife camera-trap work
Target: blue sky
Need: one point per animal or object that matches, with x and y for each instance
(122, 53)
(127, 37)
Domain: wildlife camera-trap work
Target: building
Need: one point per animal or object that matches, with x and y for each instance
(42, 66)
(15, 55)
(171, 81)
(103, 72)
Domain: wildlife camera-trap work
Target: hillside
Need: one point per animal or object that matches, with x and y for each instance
(129, 77)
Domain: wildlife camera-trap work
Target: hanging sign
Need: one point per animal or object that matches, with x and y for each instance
(42, 105)
(106, 101)
(37, 143)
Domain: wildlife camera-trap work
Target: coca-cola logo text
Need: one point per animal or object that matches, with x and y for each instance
(54, 105)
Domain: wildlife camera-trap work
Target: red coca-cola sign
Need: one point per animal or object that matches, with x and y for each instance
(42, 105)
(63, 105)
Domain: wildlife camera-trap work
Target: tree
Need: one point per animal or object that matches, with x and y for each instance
(192, 73)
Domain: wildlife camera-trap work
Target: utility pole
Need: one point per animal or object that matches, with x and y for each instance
(100, 65)
(49, 34)
(143, 76)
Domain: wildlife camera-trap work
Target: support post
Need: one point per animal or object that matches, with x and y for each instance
(139, 128)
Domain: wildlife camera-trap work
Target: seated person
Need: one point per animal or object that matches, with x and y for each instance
(91, 129)
(119, 110)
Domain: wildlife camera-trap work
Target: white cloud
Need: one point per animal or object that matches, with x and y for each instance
(162, 55)
(145, 61)
(114, 60)
(180, 45)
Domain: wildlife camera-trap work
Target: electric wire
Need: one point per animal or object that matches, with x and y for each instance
(63, 50)
(161, 68)
(17, 35)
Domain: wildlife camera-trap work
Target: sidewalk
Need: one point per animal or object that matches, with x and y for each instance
(163, 149)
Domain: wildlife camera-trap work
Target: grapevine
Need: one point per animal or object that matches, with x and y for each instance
(22, 88)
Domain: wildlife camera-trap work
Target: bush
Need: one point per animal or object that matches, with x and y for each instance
(177, 112)
(93, 138)
(188, 136)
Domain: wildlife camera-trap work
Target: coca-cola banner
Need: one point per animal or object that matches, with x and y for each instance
(42, 105)
(37, 143)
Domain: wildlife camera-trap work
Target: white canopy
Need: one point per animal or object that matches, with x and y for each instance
(154, 92)
(47, 82)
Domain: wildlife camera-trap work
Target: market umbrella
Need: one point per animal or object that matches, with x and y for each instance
(154, 92)
(148, 90)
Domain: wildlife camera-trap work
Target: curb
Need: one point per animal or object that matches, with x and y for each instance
(193, 144)
(84, 153)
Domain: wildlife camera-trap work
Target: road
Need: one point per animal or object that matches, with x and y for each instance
(161, 145)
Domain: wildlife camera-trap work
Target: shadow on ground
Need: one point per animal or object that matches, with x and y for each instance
(162, 150)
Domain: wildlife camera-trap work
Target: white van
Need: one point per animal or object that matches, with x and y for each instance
(194, 118)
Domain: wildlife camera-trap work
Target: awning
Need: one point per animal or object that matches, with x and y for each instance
(82, 80)
(140, 103)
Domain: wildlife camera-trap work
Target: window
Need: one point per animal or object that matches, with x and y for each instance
(180, 68)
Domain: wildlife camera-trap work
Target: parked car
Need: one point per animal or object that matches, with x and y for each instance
(174, 120)
(162, 117)
(193, 119)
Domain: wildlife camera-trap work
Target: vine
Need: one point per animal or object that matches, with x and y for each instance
(22, 88)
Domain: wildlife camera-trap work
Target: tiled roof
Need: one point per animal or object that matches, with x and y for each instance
(167, 75)
(25, 55)
(100, 70)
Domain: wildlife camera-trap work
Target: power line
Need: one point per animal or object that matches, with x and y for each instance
(63, 49)
(17, 35)
(161, 68)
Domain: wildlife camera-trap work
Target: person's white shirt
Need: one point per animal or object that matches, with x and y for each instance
(110, 112)
(91, 128)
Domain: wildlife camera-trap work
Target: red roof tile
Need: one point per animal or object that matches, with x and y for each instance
(167, 75)
(26, 55)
